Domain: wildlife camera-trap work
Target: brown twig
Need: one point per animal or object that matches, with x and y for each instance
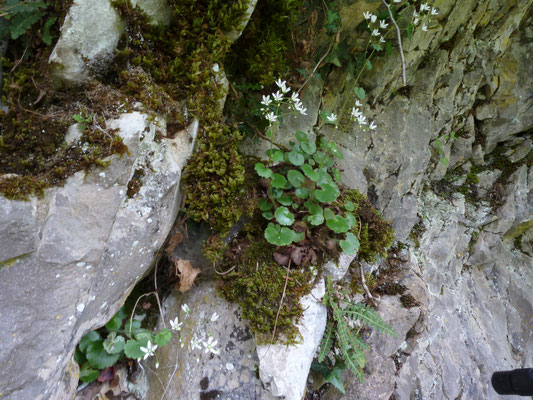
(225, 272)
(399, 37)
(363, 282)
(314, 69)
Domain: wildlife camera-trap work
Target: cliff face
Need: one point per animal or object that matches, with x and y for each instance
(461, 204)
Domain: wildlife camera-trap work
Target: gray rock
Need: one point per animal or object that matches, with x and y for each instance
(74, 256)
(337, 270)
(193, 374)
(284, 369)
(88, 38)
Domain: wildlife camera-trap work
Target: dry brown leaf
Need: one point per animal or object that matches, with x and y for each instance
(174, 240)
(187, 274)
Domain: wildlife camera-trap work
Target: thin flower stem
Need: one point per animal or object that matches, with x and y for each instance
(314, 69)
(399, 37)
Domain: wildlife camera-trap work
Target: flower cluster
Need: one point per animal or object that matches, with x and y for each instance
(375, 26)
(424, 14)
(358, 116)
(272, 103)
(197, 341)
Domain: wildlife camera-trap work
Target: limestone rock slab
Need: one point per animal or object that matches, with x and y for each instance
(77, 253)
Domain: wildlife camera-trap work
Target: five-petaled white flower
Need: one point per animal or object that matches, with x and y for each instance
(175, 325)
(271, 117)
(148, 350)
(294, 98)
(381, 40)
(424, 7)
(195, 344)
(214, 317)
(266, 100)
(361, 119)
(375, 32)
(185, 309)
(358, 103)
(373, 18)
(332, 118)
(210, 346)
(356, 112)
(372, 125)
(434, 11)
(425, 28)
(367, 14)
(282, 85)
(277, 96)
(383, 24)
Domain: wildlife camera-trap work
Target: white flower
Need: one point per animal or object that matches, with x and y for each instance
(185, 309)
(381, 40)
(214, 317)
(210, 346)
(175, 325)
(266, 100)
(271, 117)
(434, 11)
(373, 18)
(397, 1)
(372, 125)
(383, 24)
(148, 350)
(300, 108)
(367, 14)
(424, 7)
(294, 98)
(375, 32)
(415, 21)
(157, 365)
(195, 344)
(358, 103)
(361, 119)
(282, 85)
(356, 112)
(332, 118)
(277, 96)
(424, 28)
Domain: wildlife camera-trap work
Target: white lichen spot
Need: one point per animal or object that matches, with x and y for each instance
(80, 307)
(58, 275)
(121, 192)
(101, 174)
(229, 366)
(88, 267)
(149, 220)
(103, 305)
(80, 264)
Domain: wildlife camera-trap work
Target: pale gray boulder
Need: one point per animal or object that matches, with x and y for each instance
(69, 260)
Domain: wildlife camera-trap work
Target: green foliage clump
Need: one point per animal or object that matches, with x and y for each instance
(214, 178)
(343, 333)
(376, 234)
(20, 16)
(257, 284)
(119, 339)
(261, 51)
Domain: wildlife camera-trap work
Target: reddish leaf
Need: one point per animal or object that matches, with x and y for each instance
(174, 240)
(187, 274)
(281, 259)
(106, 374)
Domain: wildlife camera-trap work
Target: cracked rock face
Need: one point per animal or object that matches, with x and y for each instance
(68, 261)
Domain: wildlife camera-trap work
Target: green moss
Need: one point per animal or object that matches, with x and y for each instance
(260, 54)
(375, 234)
(408, 301)
(257, 284)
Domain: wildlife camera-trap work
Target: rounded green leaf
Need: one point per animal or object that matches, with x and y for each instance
(329, 214)
(295, 157)
(275, 155)
(163, 337)
(302, 193)
(333, 149)
(359, 92)
(79, 357)
(286, 200)
(132, 349)
(85, 341)
(263, 171)
(316, 219)
(295, 178)
(115, 323)
(309, 147)
(321, 159)
(313, 207)
(338, 224)
(310, 172)
(349, 206)
(284, 216)
(350, 245)
(327, 194)
(265, 205)
(267, 214)
(135, 326)
(88, 373)
(114, 344)
(98, 357)
(277, 193)
(337, 175)
(301, 136)
(278, 181)
(325, 178)
(350, 218)
(281, 236)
